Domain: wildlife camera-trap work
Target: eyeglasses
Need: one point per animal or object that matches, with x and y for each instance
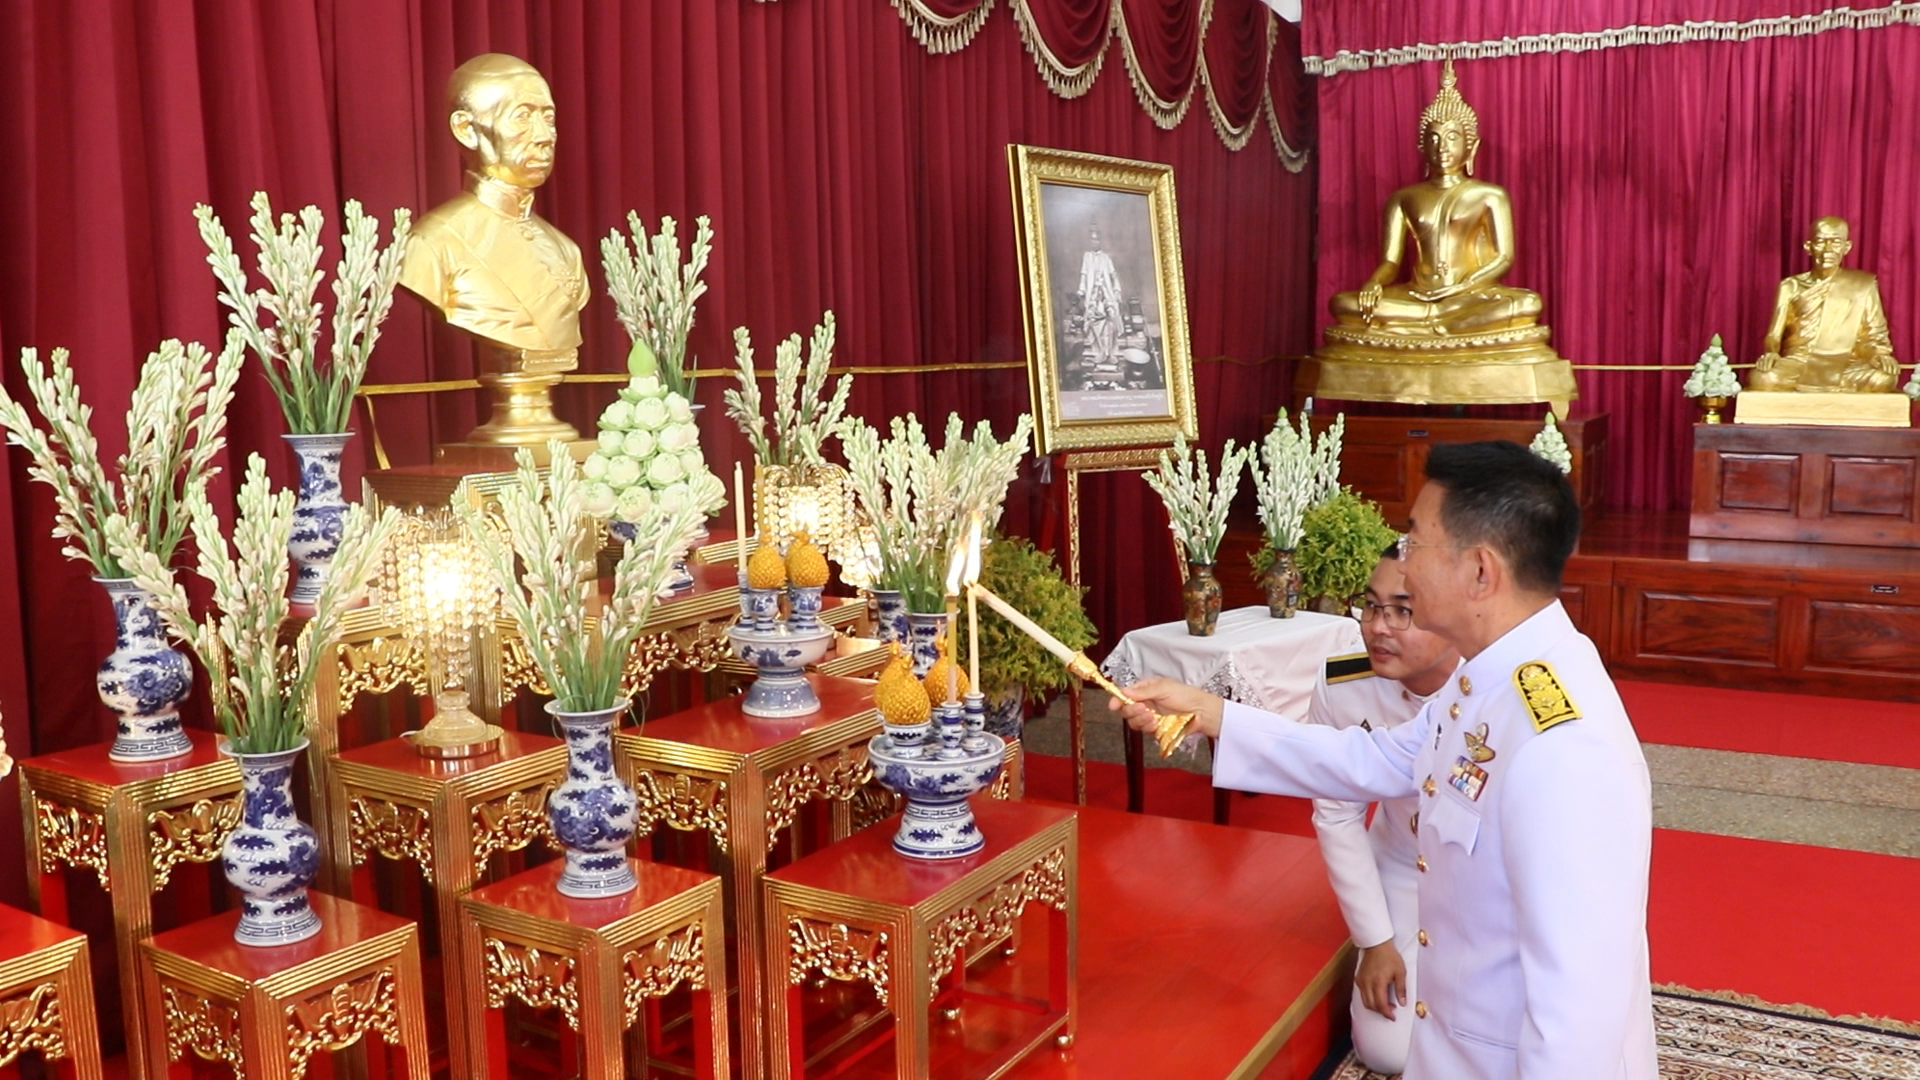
(1396, 616)
(1403, 547)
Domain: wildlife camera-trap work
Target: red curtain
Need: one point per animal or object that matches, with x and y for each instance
(1660, 191)
(843, 165)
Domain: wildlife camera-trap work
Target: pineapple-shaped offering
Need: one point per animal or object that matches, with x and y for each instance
(904, 704)
(944, 668)
(649, 451)
(766, 576)
(807, 575)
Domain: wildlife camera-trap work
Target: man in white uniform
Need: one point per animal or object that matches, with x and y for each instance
(1373, 868)
(1534, 823)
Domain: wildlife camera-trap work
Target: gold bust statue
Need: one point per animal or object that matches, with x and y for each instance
(1829, 333)
(1450, 331)
(492, 266)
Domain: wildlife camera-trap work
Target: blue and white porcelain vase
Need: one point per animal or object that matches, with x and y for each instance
(272, 856)
(319, 515)
(1007, 713)
(592, 811)
(890, 623)
(143, 679)
(923, 631)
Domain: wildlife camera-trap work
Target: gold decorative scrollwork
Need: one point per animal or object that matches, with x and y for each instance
(1002, 786)
(653, 970)
(838, 951)
(341, 1016)
(699, 647)
(838, 776)
(70, 836)
(208, 1028)
(511, 822)
(542, 980)
(682, 802)
(378, 666)
(194, 834)
(517, 669)
(992, 916)
(402, 833)
(874, 803)
(32, 1021)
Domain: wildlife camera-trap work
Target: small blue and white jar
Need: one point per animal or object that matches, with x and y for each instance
(272, 856)
(593, 812)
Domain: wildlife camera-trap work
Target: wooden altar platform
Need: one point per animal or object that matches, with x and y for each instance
(1205, 952)
(1810, 618)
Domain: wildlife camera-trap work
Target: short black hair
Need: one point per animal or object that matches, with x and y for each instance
(1507, 497)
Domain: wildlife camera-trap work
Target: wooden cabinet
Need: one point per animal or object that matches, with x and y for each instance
(1810, 485)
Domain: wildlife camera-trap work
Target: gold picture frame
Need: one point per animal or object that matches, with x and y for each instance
(1103, 298)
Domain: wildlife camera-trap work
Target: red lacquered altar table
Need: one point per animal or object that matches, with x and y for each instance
(858, 911)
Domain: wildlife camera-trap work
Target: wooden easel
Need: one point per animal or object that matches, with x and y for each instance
(1074, 463)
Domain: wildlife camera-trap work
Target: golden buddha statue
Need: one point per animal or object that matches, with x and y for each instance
(492, 266)
(1829, 333)
(1451, 332)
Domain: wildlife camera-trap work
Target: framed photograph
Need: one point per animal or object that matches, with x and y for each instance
(1104, 300)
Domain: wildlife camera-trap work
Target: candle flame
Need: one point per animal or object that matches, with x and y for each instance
(956, 569)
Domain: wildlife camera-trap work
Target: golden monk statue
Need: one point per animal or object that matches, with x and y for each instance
(1829, 333)
(492, 266)
(1450, 331)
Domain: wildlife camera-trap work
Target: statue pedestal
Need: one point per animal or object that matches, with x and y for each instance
(1805, 484)
(1356, 366)
(1891, 410)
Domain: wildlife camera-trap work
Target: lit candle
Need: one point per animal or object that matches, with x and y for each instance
(956, 569)
(1022, 623)
(740, 519)
(971, 577)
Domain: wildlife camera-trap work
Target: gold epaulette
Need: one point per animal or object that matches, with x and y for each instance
(1546, 699)
(1348, 668)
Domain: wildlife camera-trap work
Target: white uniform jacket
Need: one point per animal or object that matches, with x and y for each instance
(1360, 857)
(1534, 837)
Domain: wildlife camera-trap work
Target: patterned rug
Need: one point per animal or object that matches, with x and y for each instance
(1709, 1038)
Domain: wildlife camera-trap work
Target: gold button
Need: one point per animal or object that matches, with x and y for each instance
(1421, 862)
(1428, 786)
(1423, 938)
(1453, 711)
(1420, 1009)
(1466, 685)
(1414, 823)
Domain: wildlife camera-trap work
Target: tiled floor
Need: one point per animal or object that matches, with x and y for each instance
(1871, 808)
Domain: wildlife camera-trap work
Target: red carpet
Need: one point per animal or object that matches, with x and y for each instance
(1788, 725)
(1790, 924)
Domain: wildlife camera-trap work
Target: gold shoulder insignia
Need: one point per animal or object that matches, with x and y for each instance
(1348, 668)
(1546, 699)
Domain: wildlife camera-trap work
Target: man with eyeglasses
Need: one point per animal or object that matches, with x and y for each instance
(1533, 824)
(1372, 867)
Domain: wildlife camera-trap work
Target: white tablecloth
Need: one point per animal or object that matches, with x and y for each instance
(1252, 657)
